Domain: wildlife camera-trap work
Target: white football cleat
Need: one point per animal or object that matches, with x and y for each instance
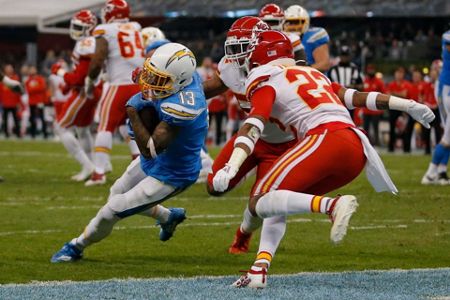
(96, 179)
(255, 278)
(443, 179)
(429, 179)
(83, 175)
(343, 210)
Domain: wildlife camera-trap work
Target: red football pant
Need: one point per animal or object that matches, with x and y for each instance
(78, 110)
(316, 165)
(263, 156)
(112, 109)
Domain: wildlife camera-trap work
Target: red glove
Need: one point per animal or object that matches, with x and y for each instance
(135, 75)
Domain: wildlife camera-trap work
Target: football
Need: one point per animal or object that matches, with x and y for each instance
(149, 118)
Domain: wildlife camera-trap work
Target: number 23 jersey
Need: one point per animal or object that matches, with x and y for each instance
(304, 98)
(125, 50)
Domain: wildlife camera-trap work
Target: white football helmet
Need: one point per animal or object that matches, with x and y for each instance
(151, 34)
(168, 71)
(296, 19)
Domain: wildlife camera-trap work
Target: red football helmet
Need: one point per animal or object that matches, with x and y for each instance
(273, 15)
(82, 24)
(115, 10)
(239, 36)
(268, 46)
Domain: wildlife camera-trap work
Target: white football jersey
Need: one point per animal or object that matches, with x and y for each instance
(234, 78)
(125, 50)
(304, 97)
(83, 48)
(295, 41)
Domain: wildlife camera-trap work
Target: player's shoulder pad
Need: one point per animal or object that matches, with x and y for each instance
(188, 103)
(101, 30)
(446, 36)
(86, 46)
(317, 35)
(260, 76)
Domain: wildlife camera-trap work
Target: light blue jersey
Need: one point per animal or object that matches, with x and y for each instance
(444, 77)
(313, 38)
(179, 165)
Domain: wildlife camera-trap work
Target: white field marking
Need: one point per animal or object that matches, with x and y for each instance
(401, 226)
(35, 283)
(439, 298)
(200, 224)
(52, 154)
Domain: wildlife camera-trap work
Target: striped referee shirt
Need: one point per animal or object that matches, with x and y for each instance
(346, 75)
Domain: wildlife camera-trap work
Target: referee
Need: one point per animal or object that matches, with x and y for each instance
(347, 73)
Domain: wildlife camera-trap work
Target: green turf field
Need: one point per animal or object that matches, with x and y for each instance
(41, 209)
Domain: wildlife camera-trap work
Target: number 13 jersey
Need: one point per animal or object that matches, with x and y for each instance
(304, 98)
(125, 50)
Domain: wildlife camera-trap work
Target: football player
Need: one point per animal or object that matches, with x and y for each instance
(151, 34)
(273, 15)
(170, 155)
(78, 111)
(305, 101)
(437, 170)
(274, 140)
(118, 46)
(314, 39)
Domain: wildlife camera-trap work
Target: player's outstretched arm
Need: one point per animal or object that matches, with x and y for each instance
(101, 53)
(378, 101)
(150, 145)
(214, 86)
(262, 100)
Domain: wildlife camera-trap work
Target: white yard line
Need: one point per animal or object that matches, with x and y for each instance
(202, 224)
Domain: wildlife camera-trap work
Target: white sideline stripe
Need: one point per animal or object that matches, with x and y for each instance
(202, 224)
(35, 283)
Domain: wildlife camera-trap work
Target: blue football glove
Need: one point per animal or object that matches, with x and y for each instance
(138, 103)
(130, 129)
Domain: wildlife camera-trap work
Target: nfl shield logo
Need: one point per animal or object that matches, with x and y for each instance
(271, 53)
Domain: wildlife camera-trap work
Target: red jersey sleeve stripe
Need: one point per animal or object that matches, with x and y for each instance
(255, 83)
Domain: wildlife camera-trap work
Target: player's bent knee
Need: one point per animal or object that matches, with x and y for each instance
(252, 204)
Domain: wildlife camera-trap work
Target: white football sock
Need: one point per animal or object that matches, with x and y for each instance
(157, 212)
(283, 203)
(103, 146)
(86, 140)
(272, 233)
(97, 229)
(441, 168)
(250, 223)
(432, 169)
(73, 146)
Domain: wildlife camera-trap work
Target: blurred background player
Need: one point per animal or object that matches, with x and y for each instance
(273, 15)
(170, 155)
(10, 102)
(403, 88)
(151, 34)
(437, 170)
(119, 46)
(371, 118)
(314, 39)
(58, 90)
(430, 101)
(36, 89)
(79, 110)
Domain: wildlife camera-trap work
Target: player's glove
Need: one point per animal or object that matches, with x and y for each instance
(14, 85)
(130, 129)
(135, 75)
(222, 179)
(138, 103)
(421, 113)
